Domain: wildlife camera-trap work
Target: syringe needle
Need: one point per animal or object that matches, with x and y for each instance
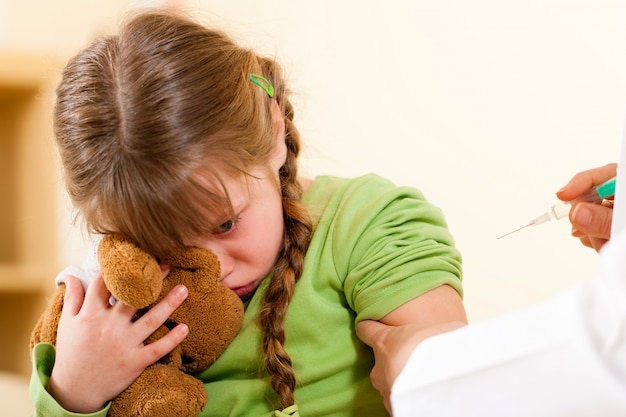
(558, 211)
(516, 230)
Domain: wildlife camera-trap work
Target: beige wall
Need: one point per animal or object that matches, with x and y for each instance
(54, 26)
(487, 106)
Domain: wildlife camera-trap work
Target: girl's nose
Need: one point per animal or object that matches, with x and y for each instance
(226, 265)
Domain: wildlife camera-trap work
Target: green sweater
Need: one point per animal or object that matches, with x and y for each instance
(375, 246)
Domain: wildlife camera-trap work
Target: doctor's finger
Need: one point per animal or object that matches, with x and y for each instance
(592, 219)
(370, 331)
(586, 180)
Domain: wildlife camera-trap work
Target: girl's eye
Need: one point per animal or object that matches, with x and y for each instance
(227, 226)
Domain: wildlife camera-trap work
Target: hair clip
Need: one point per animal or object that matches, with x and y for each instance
(264, 83)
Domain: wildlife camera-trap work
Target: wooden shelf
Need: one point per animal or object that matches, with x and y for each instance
(22, 71)
(25, 279)
(29, 185)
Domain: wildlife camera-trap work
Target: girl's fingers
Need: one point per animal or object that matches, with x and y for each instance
(74, 296)
(154, 351)
(97, 295)
(158, 314)
(165, 270)
(121, 308)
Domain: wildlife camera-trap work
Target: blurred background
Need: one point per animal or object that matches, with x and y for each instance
(488, 107)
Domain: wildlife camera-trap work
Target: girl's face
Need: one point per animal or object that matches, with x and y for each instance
(248, 244)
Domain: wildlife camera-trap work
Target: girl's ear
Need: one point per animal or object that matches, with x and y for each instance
(279, 153)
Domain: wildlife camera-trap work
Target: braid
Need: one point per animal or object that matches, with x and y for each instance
(290, 261)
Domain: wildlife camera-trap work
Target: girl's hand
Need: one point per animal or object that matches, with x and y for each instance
(591, 223)
(100, 350)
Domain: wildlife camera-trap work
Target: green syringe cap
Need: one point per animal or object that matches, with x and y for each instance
(606, 189)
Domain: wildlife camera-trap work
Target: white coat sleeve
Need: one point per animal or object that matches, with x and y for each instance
(565, 357)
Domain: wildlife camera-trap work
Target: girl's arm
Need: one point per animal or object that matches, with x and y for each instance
(394, 337)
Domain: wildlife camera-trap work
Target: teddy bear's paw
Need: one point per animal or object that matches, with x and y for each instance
(46, 328)
(161, 391)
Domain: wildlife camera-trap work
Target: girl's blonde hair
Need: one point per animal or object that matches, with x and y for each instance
(148, 120)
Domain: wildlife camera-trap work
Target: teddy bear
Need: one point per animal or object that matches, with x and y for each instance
(213, 313)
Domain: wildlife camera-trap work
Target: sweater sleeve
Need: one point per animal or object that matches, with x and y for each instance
(45, 405)
(401, 248)
(387, 244)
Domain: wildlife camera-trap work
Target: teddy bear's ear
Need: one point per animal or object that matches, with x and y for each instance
(132, 275)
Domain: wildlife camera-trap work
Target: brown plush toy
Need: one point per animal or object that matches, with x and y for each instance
(213, 313)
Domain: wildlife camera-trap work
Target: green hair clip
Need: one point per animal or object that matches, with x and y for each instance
(264, 83)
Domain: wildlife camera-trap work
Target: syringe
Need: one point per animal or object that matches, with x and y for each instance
(561, 210)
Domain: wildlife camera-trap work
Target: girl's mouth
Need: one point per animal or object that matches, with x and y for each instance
(242, 292)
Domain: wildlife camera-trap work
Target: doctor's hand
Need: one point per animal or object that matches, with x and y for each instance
(591, 223)
(392, 347)
(100, 350)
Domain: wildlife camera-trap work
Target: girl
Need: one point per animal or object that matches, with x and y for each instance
(174, 135)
